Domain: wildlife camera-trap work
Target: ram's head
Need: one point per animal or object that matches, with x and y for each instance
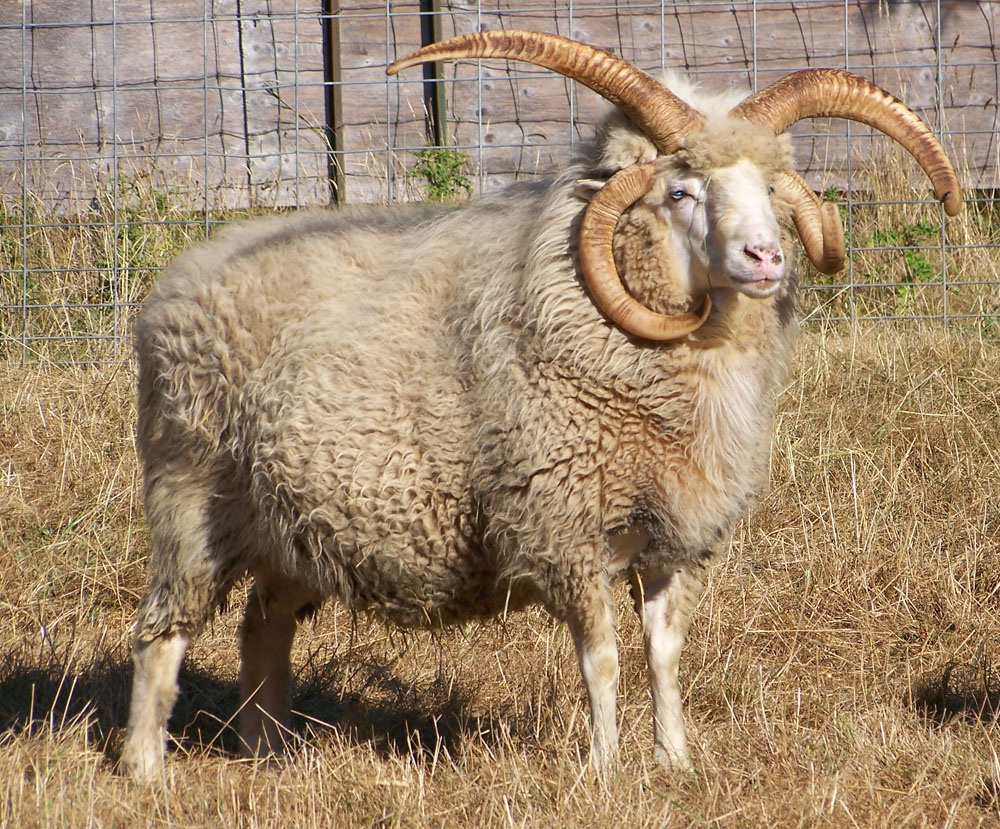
(719, 173)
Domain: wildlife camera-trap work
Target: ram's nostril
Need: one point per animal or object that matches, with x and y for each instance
(764, 254)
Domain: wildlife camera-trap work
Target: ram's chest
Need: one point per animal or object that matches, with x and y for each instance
(700, 449)
(731, 424)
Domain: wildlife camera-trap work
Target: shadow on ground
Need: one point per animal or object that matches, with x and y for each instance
(362, 700)
(959, 691)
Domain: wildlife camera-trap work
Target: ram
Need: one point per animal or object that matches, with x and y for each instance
(443, 414)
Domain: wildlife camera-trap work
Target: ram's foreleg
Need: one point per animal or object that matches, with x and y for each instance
(273, 611)
(665, 603)
(154, 690)
(592, 624)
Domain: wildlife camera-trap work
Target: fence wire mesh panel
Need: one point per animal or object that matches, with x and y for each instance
(130, 129)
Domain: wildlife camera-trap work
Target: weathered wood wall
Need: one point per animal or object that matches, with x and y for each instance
(201, 95)
(223, 100)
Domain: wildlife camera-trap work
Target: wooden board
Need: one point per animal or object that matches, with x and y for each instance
(231, 111)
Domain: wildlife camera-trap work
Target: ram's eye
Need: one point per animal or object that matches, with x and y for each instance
(770, 188)
(677, 195)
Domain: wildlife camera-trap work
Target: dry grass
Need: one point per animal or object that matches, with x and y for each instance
(841, 669)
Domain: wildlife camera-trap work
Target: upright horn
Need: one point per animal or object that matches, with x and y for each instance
(836, 93)
(660, 114)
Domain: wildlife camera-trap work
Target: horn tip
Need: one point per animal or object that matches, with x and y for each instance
(705, 310)
(398, 66)
(835, 265)
(952, 201)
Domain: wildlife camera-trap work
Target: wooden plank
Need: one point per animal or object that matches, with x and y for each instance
(184, 107)
(163, 103)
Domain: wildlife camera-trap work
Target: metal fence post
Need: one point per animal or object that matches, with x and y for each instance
(434, 98)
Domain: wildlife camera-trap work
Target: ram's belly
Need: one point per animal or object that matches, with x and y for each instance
(384, 527)
(367, 480)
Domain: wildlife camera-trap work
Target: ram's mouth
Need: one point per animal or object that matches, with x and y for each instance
(758, 288)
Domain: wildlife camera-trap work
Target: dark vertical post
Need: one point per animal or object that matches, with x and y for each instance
(333, 100)
(434, 103)
(246, 117)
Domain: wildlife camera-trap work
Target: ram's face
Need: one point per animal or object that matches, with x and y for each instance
(723, 230)
(743, 239)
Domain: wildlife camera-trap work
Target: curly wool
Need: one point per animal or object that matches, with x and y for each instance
(422, 412)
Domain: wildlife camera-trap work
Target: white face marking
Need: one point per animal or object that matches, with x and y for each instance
(725, 233)
(683, 210)
(744, 240)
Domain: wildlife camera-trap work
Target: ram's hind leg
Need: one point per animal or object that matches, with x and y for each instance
(273, 611)
(195, 556)
(665, 603)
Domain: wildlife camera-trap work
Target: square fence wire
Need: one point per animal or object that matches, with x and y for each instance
(130, 129)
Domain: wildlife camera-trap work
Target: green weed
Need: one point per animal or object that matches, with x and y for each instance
(443, 171)
(909, 241)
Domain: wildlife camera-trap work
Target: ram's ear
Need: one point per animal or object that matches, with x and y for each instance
(585, 188)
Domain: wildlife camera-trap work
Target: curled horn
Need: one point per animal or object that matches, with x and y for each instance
(653, 108)
(817, 222)
(597, 261)
(660, 114)
(836, 93)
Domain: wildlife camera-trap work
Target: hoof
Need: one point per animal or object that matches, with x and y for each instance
(143, 764)
(673, 761)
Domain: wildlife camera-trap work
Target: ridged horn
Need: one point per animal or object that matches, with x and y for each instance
(835, 93)
(598, 263)
(660, 114)
(817, 222)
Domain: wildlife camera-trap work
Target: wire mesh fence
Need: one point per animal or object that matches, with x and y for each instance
(130, 129)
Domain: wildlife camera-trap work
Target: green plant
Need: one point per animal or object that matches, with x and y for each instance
(443, 171)
(917, 268)
(835, 194)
